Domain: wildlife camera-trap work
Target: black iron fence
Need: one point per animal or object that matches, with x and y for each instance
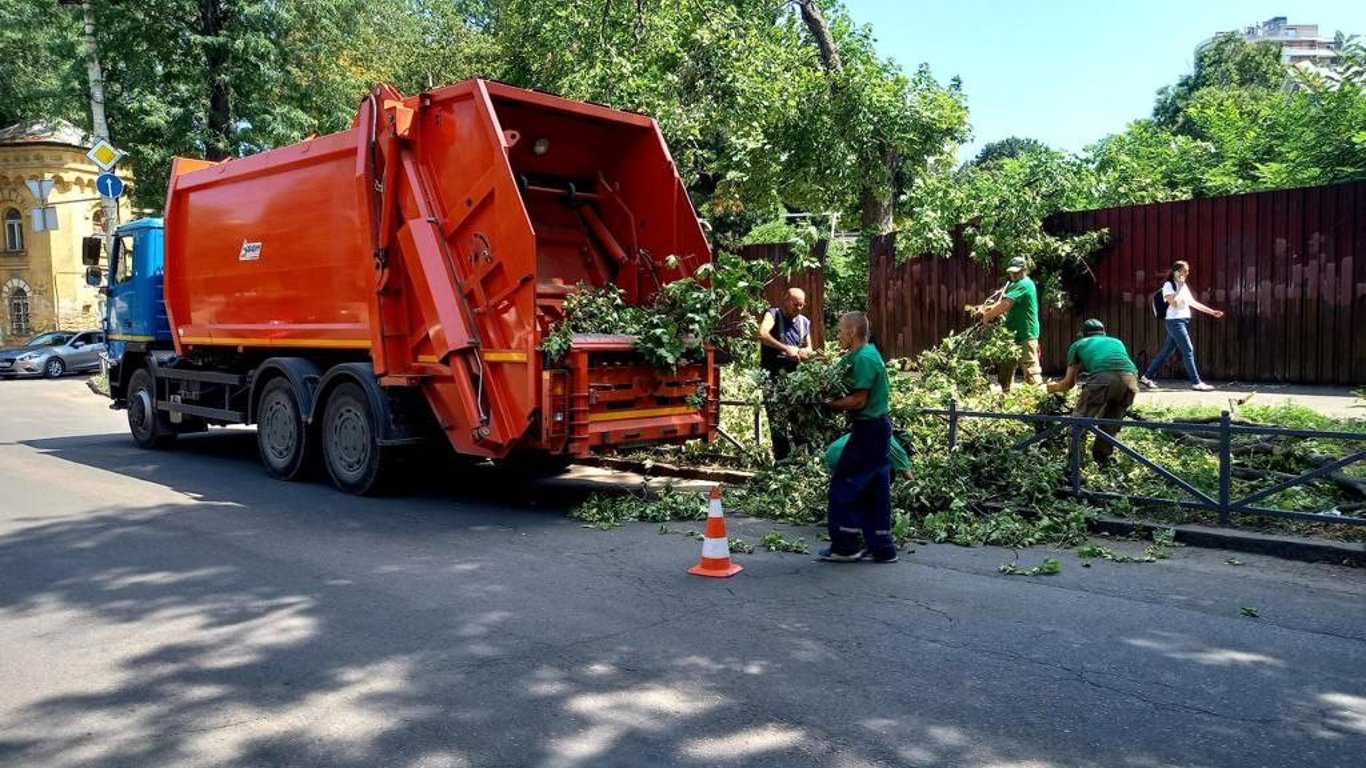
(1221, 501)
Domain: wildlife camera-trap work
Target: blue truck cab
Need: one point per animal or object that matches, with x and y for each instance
(135, 322)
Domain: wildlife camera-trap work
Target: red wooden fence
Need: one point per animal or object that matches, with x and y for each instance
(1288, 268)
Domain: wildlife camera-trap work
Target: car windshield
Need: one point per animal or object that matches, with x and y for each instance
(51, 339)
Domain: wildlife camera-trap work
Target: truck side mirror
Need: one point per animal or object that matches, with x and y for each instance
(92, 250)
(93, 276)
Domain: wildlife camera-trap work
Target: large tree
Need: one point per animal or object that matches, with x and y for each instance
(1013, 146)
(1228, 62)
(42, 70)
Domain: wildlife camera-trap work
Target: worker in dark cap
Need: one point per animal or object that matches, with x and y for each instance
(1111, 383)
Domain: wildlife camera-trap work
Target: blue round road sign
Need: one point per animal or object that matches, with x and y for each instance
(109, 185)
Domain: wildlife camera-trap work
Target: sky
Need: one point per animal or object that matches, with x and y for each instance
(1068, 72)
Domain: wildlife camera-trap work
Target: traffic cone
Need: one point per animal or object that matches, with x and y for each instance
(715, 560)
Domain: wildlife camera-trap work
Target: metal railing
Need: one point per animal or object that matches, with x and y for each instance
(758, 421)
(1221, 502)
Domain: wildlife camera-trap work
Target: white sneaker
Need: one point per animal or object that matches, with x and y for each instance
(1203, 387)
(1147, 383)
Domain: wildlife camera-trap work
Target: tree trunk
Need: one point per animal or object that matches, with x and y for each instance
(218, 144)
(876, 200)
(815, 23)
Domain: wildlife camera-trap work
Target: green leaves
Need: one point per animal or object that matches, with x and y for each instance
(607, 511)
(1049, 567)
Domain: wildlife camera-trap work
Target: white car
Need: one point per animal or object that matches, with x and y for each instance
(53, 354)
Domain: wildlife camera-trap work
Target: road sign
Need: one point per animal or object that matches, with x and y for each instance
(44, 219)
(40, 188)
(104, 155)
(109, 185)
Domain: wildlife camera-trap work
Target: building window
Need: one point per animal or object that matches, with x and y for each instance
(19, 324)
(14, 230)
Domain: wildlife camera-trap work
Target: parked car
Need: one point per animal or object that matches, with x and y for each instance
(53, 354)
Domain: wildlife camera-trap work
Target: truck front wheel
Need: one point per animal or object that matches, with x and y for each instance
(281, 435)
(148, 425)
(354, 458)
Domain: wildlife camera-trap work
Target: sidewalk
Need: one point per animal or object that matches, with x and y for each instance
(1335, 402)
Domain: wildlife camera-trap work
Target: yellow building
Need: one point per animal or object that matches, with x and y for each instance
(42, 280)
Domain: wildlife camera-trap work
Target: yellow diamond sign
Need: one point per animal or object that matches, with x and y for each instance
(104, 155)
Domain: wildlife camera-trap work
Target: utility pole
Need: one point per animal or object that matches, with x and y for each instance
(95, 74)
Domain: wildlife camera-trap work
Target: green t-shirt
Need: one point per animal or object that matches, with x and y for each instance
(900, 461)
(1023, 315)
(1099, 354)
(865, 370)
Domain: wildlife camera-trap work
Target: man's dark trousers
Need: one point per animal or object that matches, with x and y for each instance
(783, 444)
(860, 499)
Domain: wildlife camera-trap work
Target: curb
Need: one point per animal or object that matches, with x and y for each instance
(1284, 547)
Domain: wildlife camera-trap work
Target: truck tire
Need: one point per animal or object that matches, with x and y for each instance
(149, 427)
(282, 438)
(353, 456)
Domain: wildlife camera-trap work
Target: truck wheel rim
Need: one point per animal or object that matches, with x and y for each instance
(139, 411)
(278, 430)
(350, 441)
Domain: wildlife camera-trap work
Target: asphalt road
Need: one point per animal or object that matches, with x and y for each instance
(180, 608)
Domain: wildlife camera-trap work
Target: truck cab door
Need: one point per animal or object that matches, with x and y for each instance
(123, 294)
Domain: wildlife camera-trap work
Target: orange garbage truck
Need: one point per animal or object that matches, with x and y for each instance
(359, 294)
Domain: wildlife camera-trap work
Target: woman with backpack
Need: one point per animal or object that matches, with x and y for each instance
(1176, 295)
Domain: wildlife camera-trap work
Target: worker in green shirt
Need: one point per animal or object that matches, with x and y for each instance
(1020, 304)
(860, 499)
(1111, 384)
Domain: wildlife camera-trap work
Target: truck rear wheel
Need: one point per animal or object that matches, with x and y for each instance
(354, 458)
(281, 435)
(148, 425)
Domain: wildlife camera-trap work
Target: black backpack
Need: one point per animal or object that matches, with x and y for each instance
(1159, 302)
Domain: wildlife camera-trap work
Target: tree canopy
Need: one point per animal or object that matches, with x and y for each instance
(769, 106)
(758, 121)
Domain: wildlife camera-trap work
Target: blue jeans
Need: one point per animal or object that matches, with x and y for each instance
(860, 500)
(1178, 337)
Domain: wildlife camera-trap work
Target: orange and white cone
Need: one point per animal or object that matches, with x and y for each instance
(715, 560)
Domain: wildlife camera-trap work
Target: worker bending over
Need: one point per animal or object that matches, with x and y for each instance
(1111, 384)
(860, 500)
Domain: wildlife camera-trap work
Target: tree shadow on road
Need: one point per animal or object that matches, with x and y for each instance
(266, 623)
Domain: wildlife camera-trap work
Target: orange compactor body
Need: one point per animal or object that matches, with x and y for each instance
(435, 242)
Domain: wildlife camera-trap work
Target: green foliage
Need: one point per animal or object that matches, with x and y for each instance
(42, 69)
(1049, 567)
(955, 367)
(606, 511)
(794, 492)
(998, 210)
(798, 238)
(740, 546)
(1227, 63)
(1007, 148)
(799, 399)
(773, 541)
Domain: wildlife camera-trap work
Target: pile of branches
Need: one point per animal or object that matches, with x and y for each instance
(670, 331)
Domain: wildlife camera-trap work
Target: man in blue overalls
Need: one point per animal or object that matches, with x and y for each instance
(784, 341)
(860, 501)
